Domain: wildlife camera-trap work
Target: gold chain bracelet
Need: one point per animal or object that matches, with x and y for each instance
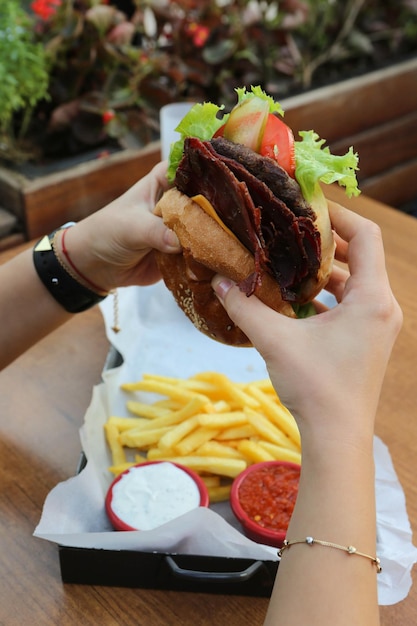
(328, 544)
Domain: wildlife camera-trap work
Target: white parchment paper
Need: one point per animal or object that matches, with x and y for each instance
(157, 338)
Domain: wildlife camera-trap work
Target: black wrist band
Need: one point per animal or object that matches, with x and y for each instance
(67, 291)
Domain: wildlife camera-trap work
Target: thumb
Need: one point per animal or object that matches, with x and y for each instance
(170, 241)
(154, 234)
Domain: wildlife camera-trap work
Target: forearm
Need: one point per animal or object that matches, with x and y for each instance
(336, 503)
(110, 248)
(28, 312)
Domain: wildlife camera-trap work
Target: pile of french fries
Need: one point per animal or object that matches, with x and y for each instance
(206, 422)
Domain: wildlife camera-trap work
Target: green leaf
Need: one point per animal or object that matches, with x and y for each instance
(304, 310)
(258, 92)
(201, 121)
(315, 163)
(219, 52)
(23, 70)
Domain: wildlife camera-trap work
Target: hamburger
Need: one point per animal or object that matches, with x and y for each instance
(245, 201)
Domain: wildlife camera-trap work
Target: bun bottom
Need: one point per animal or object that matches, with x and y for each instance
(207, 249)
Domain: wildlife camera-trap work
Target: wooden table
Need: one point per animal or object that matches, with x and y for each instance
(43, 399)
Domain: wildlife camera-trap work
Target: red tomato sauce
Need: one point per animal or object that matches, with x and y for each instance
(268, 496)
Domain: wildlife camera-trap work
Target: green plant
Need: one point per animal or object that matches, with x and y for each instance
(283, 45)
(23, 74)
(70, 65)
(76, 74)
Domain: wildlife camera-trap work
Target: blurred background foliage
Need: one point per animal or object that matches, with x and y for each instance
(81, 74)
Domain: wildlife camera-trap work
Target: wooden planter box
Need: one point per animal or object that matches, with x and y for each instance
(376, 113)
(46, 202)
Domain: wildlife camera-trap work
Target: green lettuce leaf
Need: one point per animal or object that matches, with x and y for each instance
(304, 310)
(201, 121)
(258, 92)
(315, 163)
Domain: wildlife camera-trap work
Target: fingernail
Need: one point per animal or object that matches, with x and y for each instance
(171, 239)
(221, 286)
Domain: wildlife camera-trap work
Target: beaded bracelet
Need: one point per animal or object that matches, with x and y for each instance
(88, 281)
(328, 544)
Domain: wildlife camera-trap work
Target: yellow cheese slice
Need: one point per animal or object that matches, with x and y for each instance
(209, 209)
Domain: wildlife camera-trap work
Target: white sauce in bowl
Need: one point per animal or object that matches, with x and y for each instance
(151, 495)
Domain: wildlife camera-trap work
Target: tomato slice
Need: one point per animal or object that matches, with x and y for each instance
(278, 144)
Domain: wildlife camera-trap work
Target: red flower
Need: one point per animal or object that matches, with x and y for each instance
(108, 116)
(198, 33)
(45, 8)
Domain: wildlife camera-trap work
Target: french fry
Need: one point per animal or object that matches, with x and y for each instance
(281, 453)
(116, 448)
(193, 406)
(124, 423)
(174, 391)
(277, 412)
(122, 467)
(199, 388)
(211, 481)
(229, 389)
(167, 403)
(254, 452)
(220, 406)
(171, 418)
(192, 384)
(267, 429)
(211, 464)
(215, 448)
(220, 493)
(201, 435)
(156, 454)
(237, 432)
(223, 420)
(264, 384)
(178, 432)
(206, 422)
(140, 438)
(143, 409)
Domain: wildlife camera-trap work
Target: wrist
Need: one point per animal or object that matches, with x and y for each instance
(337, 489)
(63, 285)
(75, 260)
(338, 459)
(339, 426)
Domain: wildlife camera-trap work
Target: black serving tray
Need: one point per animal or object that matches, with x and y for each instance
(158, 570)
(179, 572)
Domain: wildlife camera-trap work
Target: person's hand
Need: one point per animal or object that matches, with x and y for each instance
(339, 356)
(114, 246)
